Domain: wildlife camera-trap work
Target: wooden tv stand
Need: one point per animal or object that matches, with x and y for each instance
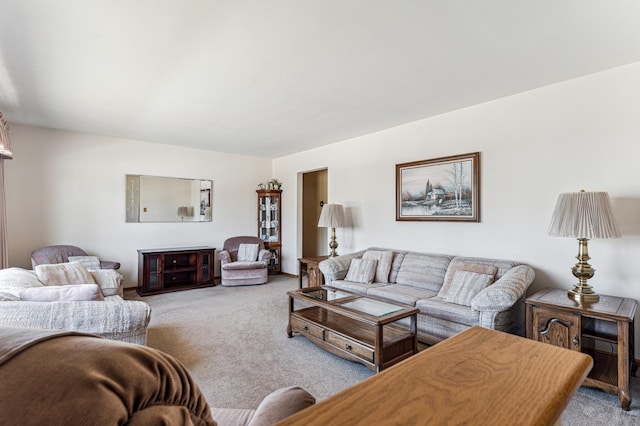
(174, 269)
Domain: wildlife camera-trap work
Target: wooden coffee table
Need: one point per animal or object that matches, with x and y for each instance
(355, 327)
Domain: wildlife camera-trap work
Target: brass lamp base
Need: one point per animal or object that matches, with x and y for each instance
(583, 292)
(580, 297)
(333, 245)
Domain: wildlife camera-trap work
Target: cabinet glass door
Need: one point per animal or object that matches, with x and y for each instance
(269, 218)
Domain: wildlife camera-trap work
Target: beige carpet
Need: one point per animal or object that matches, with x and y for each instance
(233, 341)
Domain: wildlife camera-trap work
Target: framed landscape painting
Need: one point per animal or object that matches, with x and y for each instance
(441, 189)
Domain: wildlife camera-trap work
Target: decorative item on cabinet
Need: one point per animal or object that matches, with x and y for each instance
(269, 229)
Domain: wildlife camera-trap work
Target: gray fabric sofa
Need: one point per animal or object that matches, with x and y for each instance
(417, 279)
(113, 317)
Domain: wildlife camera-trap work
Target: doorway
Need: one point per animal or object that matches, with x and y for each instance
(314, 194)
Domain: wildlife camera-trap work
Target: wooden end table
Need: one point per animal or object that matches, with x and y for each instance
(309, 266)
(591, 328)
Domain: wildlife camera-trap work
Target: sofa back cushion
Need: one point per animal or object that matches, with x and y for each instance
(468, 263)
(423, 270)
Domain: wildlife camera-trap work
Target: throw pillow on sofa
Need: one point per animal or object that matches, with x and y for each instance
(384, 259)
(361, 271)
(465, 285)
(18, 278)
(78, 292)
(64, 273)
(454, 267)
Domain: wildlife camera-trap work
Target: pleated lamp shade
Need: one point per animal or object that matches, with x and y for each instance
(332, 216)
(583, 215)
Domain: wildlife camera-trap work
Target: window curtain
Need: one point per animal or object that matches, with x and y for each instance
(5, 154)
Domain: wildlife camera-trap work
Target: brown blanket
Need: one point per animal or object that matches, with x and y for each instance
(68, 378)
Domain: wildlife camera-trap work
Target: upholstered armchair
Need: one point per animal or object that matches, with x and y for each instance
(61, 253)
(244, 261)
(108, 383)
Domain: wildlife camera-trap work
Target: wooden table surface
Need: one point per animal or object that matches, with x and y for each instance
(479, 376)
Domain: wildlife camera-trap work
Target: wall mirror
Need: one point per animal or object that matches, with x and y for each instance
(168, 199)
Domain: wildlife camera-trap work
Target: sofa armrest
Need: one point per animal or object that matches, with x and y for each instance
(335, 268)
(281, 404)
(104, 318)
(224, 256)
(505, 292)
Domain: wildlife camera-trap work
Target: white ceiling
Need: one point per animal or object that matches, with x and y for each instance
(273, 77)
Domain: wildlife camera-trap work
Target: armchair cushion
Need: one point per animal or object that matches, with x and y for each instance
(236, 266)
(64, 273)
(248, 252)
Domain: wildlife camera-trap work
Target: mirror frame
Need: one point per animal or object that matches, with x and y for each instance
(163, 199)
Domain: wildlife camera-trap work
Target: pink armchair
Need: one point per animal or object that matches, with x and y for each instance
(246, 271)
(61, 253)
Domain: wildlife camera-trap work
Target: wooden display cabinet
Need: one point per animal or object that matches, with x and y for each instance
(604, 330)
(174, 269)
(269, 225)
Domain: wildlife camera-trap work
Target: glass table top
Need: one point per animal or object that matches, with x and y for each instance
(376, 308)
(327, 294)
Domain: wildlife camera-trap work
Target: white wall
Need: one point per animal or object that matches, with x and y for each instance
(69, 188)
(580, 134)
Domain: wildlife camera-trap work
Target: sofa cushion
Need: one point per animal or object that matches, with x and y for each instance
(398, 257)
(437, 307)
(248, 252)
(109, 280)
(64, 273)
(459, 265)
(401, 293)
(503, 265)
(9, 297)
(423, 270)
(76, 292)
(92, 263)
(355, 287)
(383, 267)
(18, 278)
(465, 285)
(361, 271)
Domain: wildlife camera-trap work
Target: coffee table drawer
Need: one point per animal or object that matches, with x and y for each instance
(306, 327)
(350, 346)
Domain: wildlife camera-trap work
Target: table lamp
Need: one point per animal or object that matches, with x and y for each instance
(583, 215)
(332, 216)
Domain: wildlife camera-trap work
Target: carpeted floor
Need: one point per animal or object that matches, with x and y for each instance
(233, 340)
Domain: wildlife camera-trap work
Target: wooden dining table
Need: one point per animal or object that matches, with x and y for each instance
(478, 376)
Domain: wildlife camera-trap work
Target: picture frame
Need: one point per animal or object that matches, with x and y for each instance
(439, 189)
